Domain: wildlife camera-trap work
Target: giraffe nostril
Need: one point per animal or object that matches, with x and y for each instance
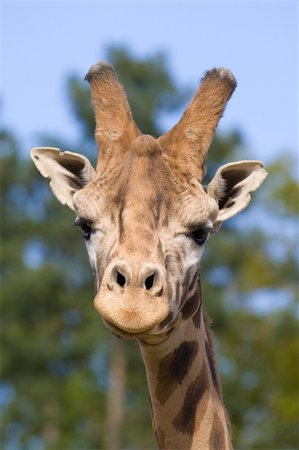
(118, 275)
(151, 279)
(149, 282)
(120, 279)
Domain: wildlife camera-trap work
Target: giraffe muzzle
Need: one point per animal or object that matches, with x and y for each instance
(134, 302)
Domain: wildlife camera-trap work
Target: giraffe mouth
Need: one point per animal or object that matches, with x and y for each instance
(119, 332)
(132, 313)
(147, 338)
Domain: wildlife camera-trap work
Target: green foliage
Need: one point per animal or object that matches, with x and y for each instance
(283, 199)
(56, 351)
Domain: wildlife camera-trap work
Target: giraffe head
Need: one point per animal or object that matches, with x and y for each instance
(144, 214)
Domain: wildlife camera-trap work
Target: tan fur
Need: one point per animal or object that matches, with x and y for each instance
(142, 212)
(186, 145)
(115, 127)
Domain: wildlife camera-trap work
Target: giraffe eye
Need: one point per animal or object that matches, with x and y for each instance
(199, 236)
(86, 228)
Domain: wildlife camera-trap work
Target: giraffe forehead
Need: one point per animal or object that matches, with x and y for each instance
(146, 184)
(143, 187)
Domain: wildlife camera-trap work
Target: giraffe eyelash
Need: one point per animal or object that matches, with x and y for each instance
(81, 221)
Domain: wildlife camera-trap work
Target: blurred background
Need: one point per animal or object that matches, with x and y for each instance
(66, 383)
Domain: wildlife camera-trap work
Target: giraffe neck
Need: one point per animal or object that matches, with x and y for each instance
(186, 401)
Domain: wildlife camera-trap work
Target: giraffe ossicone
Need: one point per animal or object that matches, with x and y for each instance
(145, 218)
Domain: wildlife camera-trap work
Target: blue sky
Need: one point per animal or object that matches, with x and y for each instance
(43, 42)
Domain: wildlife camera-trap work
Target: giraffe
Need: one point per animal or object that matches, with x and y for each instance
(145, 218)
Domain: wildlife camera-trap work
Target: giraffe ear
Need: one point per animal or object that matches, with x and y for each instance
(68, 172)
(232, 185)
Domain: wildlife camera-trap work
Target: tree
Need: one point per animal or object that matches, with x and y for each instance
(48, 325)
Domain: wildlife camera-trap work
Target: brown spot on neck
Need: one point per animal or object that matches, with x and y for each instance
(212, 366)
(217, 438)
(173, 368)
(194, 399)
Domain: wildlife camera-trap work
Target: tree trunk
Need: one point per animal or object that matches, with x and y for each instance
(115, 396)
